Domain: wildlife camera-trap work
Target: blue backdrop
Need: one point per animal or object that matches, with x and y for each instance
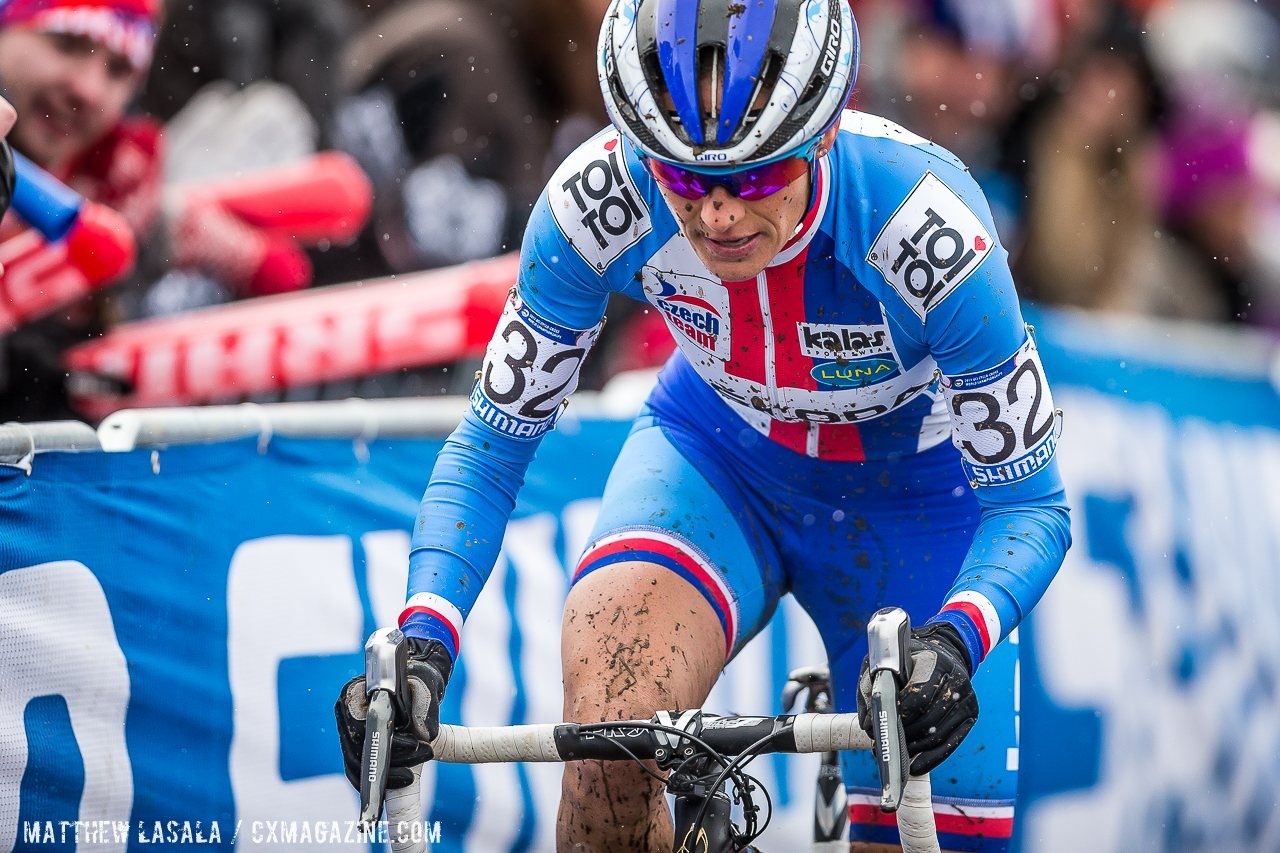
(174, 625)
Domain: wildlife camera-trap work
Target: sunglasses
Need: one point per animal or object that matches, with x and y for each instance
(747, 184)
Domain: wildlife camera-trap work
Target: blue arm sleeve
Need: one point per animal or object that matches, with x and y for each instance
(530, 367)
(1016, 552)
(460, 525)
(1005, 425)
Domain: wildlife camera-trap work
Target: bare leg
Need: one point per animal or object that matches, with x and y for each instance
(636, 639)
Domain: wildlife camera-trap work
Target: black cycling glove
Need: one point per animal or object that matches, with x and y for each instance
(428, 672)
(938, 705)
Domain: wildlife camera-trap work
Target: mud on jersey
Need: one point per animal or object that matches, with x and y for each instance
(836, 350)
(887, 322)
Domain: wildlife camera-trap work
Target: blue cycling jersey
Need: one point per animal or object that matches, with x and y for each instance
(887, 323)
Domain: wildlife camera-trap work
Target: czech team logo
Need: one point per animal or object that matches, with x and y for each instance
(694, 307)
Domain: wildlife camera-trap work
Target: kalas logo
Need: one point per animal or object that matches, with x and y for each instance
(692, 315)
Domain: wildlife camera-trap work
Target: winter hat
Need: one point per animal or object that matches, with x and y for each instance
(1203, 154)
(127, 27)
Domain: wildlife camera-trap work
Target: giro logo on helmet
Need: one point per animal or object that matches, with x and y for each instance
(830, 51)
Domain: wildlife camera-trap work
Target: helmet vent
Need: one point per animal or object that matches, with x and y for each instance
(765, 83)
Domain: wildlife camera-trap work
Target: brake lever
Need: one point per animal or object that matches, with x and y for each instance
(386, 655)
(887, 634)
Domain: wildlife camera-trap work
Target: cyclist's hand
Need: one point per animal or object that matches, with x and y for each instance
(938, 705)
(428, 671)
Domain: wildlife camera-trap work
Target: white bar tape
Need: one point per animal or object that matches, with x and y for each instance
(825, 732)
(404, 809)
(915, 817)
(489, 745)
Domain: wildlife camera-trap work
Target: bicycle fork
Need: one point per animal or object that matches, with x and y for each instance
(831, 801)
(831, 808)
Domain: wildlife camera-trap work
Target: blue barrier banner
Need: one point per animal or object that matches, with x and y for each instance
(175, 626)
(1151, 669)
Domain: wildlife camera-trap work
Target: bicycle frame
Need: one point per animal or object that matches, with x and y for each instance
(831, 802)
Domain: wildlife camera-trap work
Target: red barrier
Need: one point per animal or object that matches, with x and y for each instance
(298, 339)
(39, 276)
(324, 197)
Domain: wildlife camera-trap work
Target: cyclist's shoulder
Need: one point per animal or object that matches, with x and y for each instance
(600, 203)
(916, 223)
(886, 160)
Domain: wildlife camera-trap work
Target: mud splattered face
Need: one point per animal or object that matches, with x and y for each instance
(737, 239)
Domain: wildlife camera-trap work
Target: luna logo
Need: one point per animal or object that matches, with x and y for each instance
(854, 374)
(693, 316)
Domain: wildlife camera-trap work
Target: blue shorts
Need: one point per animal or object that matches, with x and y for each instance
(745, 521)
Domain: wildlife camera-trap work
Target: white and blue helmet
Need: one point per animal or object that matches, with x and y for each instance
(776, 73)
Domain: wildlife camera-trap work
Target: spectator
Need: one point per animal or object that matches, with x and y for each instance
(294, 42)
(7, 116)
(458, 111)
(557, 41)
(1094, 237)
(1219, 60)
(1221, 52)
(950, 75)
(439, 111)
(1214, 201)
(70, 68)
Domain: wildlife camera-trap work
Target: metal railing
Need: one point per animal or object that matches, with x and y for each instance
(355, 419)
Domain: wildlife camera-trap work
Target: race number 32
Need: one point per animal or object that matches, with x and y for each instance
(530, 367)
(1003, 419)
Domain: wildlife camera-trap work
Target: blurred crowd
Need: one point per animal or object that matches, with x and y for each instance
(1129, 148)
